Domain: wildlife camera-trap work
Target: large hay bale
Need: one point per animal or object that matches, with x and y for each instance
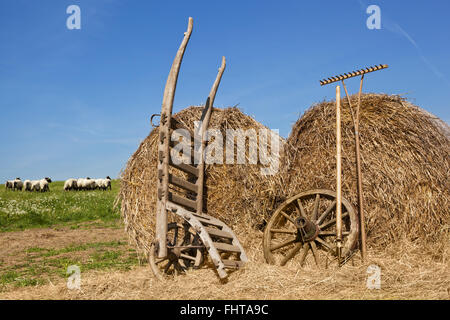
(405, 165)
(238, 194)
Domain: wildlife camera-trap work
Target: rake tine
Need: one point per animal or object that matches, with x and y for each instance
(352, 74)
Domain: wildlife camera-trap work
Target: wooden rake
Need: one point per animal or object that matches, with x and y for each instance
(355, 118)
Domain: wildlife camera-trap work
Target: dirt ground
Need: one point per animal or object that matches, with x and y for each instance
(14, 246)
(407, 272)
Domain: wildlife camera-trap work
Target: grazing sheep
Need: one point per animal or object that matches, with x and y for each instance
(44, 184)
(14, 185)
(27, 185)
(35, 185)
(98, 183)
(40, 185)
(103, 184)
(70, 184)
(90, 184)
(107, 183)
(85, 184)
(80, 184)
(18, 184)
(9, 184)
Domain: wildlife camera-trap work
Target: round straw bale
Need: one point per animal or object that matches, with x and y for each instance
(238, 194)
(405, 161)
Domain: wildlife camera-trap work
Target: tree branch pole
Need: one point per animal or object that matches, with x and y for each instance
(360, 187)
(163, 144)
(355, 119)
(205, 118)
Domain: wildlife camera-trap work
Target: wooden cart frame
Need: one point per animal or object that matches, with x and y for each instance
(180, 246)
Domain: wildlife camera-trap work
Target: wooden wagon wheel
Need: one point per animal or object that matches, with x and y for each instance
(185, 250)
(306, 223)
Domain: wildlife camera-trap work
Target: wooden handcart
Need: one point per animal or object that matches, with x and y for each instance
(183, 245)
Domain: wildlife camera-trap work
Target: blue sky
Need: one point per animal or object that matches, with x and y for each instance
(76, 103)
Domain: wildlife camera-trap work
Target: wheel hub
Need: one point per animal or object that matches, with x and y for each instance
(307, 230)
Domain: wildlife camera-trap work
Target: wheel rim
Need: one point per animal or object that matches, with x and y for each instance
(185, 251)
(302, 230)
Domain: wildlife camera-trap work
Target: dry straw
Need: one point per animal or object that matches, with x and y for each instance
(405, 165)
(238, 194)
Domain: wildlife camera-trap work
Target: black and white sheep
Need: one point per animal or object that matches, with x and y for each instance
(40, 185)
(45, 184)
(9, 184)
(18, 184)
(15, 184)
(27, 185)
(103, 184)
(86, 184)
(70, 184)
(35, 185)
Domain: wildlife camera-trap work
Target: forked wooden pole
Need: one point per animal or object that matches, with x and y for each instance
(338, 176)
(163, 144)
(360, 187)
(355, 118)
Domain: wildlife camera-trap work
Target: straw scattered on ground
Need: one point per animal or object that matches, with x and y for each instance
(407, 272)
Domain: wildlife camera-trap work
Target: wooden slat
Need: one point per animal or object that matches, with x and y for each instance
(184, 167)
(179, 182)
(232, 264)
(207, 221)
(218, 233)
(204, 216)
(182, 183)
(184, 146)
(182, 201)
(226, 247)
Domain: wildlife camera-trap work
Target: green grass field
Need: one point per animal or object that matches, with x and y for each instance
(23, 210)
(80, 228)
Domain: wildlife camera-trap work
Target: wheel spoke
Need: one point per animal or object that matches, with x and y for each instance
(185, 256)
(316, 207)
(304, 253)
(175, 237)
(291, 253)
(282, 231)
(331, 222)
(191, 247)
(282, 244)
(287, 217)
(302, 210)
(166, 268)
(325, 244)
(326, 213)
(332, 233)
(158, 262)
(315, 253)
(178, 267)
